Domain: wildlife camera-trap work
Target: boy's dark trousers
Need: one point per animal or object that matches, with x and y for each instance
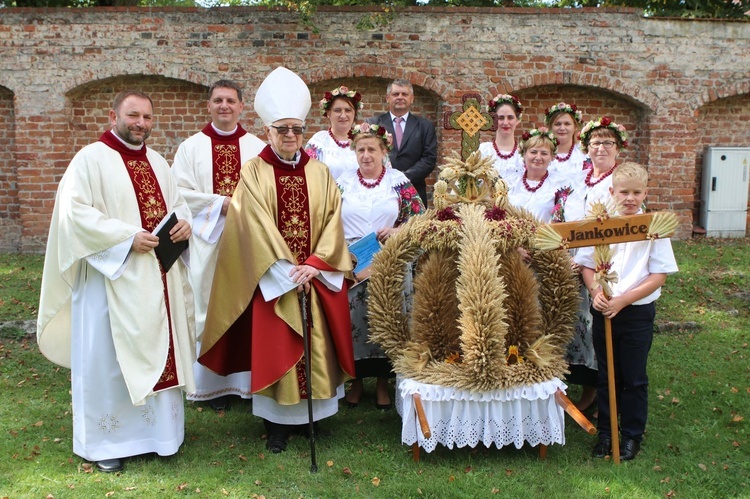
(632, 335)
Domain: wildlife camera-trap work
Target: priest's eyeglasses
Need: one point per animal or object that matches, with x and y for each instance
(284, 129)
(607, 144)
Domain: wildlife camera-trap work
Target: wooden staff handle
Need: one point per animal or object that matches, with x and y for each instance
(569, 407)
(421, 417)
(614, 429)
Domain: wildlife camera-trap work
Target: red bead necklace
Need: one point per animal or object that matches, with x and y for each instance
(342, 145)
(505, 156)
(370, 185)
(565, 158)
(538, 186)
(591, 172)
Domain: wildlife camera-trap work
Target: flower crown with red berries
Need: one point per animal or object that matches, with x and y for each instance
(378, 131)
(603, 122)
(325, 103)
(501, 99)
(562, 107)
(542, 131)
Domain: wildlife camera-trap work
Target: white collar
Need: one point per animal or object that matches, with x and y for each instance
(126, 144)
(222, 132)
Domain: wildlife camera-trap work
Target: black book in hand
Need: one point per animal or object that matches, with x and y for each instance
(168, 252)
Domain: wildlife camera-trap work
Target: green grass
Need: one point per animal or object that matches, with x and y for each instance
(696, 444)
(20, 278)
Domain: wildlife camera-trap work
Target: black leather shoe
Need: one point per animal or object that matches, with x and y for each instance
(276, 442)
(109, 465)
(628, 449)
(219, 404)
(603, 447)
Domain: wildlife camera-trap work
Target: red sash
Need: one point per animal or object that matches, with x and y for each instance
(225, 158)
(153, 209)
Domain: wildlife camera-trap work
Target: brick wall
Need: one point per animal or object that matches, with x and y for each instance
(59, 69)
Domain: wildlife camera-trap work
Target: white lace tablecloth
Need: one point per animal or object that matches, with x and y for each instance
(501, 417)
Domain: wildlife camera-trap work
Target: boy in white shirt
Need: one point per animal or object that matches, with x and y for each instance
(642, 269)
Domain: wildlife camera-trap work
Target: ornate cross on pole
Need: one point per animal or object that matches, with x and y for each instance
(470, 120)
(601, 230)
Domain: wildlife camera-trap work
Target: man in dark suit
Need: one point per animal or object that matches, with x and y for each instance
(416, 152)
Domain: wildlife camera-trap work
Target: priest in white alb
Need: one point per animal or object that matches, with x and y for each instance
(207, 168)
(108, 309)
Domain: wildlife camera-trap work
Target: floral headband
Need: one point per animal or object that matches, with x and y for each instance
(542, 131)
(378, 131)
(501, 99)
(562, 107)
(603, 122)
(342, 91)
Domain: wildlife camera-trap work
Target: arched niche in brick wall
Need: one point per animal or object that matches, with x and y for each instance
(593, 102)
(719, 123)
(179, 110)
(10, 223)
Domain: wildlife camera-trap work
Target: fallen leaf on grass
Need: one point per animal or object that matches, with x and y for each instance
(38, 423)
(49, 496)
(736, 443)
(468, 469)
(130, 488)
(508, 472)
(702, 466)
(329, 464)
(733, 390)
(110, 493)
(657, 468)
(451, 478)
(242, 458)
(224, 491)
(181, 486)
(346, 471)
(737, 418)
(257, 482)
(675, 400)
(495, 490)
(376, 481)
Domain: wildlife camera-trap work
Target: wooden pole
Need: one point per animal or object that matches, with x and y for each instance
(614, 429)
(569, 407)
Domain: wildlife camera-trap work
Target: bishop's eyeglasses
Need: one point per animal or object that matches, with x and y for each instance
(284, 129)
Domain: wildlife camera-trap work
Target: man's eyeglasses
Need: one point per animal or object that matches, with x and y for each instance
(608, 144)
(284, 129)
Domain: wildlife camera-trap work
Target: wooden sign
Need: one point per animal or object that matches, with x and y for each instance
(611, 230)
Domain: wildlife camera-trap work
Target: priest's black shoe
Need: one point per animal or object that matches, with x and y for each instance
(628, 449)
(220, 403)
(109, 465)
(603, 447)
(276, 442)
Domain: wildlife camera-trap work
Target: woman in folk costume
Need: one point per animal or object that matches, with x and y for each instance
(333, 146)
(507, 111)
(283, 236)
(108, 309)
(375, 199)
(535, 188)
(564, 120)
(602, 140)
